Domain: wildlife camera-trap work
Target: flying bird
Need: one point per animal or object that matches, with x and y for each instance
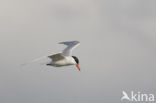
(64, 58)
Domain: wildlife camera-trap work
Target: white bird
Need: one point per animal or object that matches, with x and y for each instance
(64, 58)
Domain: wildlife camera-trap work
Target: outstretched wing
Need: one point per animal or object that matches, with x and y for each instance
(70, 46)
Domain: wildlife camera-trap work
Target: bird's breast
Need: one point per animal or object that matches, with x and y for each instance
(64, 62)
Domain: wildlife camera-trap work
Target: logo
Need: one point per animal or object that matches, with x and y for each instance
(137, 97)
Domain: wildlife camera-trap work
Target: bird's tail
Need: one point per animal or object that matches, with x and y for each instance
(35, 60)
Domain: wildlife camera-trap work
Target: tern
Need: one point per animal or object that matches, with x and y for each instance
(64, 58)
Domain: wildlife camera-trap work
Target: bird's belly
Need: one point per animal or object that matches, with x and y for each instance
(63, 63)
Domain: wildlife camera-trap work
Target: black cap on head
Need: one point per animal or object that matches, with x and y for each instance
(76, 59)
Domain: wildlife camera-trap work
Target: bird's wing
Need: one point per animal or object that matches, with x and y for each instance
(70, 46)
(56, 57)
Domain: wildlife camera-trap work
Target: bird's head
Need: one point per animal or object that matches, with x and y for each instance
(77, 62)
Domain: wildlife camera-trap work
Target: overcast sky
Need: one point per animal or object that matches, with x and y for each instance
(117, 51)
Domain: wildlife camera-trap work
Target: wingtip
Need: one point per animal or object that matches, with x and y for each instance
(66, 42)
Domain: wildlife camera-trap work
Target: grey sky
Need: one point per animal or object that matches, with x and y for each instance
(117, 51)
